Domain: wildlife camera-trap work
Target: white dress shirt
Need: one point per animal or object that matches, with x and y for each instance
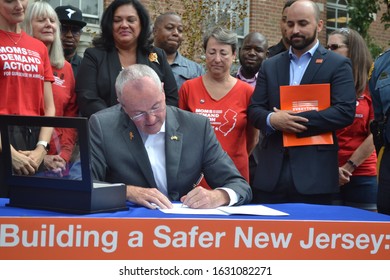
(155, 147)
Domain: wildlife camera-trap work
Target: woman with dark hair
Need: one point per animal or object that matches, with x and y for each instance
(125, 39)
(357, 157)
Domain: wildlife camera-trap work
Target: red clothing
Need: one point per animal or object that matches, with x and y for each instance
(227, 116)
(352, 136)
(24, 67)
(63, 139)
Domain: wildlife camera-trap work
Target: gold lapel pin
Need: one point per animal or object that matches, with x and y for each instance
(175, 138)
(319, 60)
(131, 135)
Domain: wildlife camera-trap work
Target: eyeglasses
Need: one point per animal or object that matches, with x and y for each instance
(75, 30)
(141, 116)
(334, 47)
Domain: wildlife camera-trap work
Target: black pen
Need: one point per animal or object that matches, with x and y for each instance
(197, 182)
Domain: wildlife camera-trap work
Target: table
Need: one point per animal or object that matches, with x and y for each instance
(309, 232)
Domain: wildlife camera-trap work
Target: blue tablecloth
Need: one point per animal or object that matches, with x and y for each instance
(296, 211)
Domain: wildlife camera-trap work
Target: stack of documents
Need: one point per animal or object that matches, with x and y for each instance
(258, 210)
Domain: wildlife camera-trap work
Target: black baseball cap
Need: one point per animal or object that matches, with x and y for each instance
(70, 15)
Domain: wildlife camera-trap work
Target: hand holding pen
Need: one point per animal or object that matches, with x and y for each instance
(196, 183)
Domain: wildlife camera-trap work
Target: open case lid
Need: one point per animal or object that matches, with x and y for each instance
(58, 193)
(79, 124)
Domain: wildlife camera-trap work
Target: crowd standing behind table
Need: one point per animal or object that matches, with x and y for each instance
(309, 232)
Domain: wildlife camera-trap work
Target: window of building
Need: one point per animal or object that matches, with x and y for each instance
(91, 9)
(337, 15)
(232, 14)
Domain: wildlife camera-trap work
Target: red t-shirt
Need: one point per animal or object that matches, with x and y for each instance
(351, 137)
(228, 116)
(24, 67)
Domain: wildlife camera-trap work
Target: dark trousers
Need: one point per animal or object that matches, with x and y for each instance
(384, 183)
(4, 188)
(21, 138)
(286, 191)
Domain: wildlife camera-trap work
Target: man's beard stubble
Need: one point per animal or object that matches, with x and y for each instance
(306, 41)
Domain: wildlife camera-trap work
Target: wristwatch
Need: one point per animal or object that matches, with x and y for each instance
(350, 162)
(44, 144)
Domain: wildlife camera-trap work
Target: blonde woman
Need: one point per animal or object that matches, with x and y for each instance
(42, 23)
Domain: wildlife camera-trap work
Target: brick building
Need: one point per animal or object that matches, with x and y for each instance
(262, 16)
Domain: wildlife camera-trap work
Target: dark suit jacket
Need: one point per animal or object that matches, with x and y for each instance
(276, 49)
(117, 157)
(97, 73)
(314, 168)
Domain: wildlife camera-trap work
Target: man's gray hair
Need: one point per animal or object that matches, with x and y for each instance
(135, 72)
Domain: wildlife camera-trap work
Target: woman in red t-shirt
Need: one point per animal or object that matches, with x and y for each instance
(357, 157)
(25, 86)
(223, 99)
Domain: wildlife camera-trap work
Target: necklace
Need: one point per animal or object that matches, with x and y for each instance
(17, 41)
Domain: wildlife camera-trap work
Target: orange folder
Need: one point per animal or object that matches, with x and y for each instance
(305, 98)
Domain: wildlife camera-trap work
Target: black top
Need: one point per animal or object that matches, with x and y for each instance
(275, 49)
(95, 82)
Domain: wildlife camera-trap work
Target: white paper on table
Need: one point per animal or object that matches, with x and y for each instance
(259, 210)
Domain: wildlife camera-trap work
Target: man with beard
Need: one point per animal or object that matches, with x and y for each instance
(72, 23)
(168, 35)
(309, 173)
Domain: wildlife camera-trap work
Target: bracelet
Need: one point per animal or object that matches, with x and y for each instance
(352, 163)
(45, 144)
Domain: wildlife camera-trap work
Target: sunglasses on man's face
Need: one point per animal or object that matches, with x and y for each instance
(75, 30)
(334, 47)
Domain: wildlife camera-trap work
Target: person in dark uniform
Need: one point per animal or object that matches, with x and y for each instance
(379, 84)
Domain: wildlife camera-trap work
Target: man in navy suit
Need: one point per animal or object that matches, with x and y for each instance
(306, 174)
(160, 151)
